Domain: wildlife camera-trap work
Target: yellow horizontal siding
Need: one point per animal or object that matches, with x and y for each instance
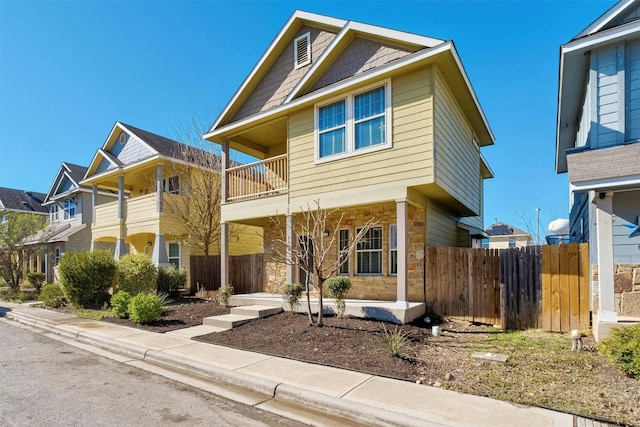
(457, 165)
(410, 157)
(441, 226)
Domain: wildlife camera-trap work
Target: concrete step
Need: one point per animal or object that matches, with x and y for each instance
(227, 320)
(256, 310)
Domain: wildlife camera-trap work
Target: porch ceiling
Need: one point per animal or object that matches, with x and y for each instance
(256, 140)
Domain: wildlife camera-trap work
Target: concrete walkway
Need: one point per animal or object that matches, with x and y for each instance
(287, 387)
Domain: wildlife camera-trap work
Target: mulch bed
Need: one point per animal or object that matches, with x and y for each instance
(349, 343)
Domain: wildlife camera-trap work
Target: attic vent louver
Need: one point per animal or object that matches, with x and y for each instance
(302, 50)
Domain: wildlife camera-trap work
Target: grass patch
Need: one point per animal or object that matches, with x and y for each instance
(93, 314)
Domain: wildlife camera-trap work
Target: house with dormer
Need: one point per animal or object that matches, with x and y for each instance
(70, 207)
(368, 122)
(598, 145)
(146, 172)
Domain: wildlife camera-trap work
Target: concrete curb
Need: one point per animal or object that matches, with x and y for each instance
(348, 409)
(216, 373)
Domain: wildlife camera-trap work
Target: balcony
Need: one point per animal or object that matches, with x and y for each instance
(260, 179)
(604, 168)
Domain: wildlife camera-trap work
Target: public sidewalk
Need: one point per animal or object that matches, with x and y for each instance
(273, 383)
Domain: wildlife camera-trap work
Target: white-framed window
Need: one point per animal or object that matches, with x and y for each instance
(172, 185)
(393, 250)
(54, 213)
(57, 254)
(485, 243)
(123, 138)
(357, 123)
(174, 254)
(302, 50)
(369, 252)
(512, 242)
(69, 207)
(5, 218)
(343, 251)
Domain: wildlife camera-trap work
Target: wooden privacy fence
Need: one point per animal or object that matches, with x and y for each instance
(245, 272)
(543, 287)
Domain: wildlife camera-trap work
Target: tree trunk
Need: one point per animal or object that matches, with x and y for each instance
(320, 306)
(306, 285)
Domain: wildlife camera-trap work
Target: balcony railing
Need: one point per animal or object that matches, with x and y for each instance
(265, 178)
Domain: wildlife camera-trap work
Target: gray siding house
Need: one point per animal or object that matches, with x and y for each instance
(70, 209)
(598, 144)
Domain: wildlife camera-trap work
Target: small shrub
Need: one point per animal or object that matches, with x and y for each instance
(171, 279)
(23, 296)
(291, 293)
(8, 293)
(52, 295)
(36, 280)
(622, 347)
(120, 304)
(145, 308)
(224, 294)
(338, 289)
(136, 274)
(87, 276)
(396, 343)
(164, 297)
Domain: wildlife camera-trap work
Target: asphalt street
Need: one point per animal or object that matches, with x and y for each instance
(45, 382)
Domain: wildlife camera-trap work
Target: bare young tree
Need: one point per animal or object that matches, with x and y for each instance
(198, 167)
(314, 249)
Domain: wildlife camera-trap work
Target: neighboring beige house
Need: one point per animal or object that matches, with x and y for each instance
(505, 236)
(598, 144)
(143, 170)
(372, 122)
(70, 216)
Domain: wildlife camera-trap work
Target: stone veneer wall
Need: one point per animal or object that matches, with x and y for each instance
(626, 287)
(382, 287)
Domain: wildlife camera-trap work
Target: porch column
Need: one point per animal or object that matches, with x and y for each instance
(224, 254)
(224, 185)
(291, 241)
(160, 256)
(120, 247)
(159, 189)
(94, 201)
(604, 225)
(402, 291)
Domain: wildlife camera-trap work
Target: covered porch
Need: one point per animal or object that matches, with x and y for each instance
(387, 311)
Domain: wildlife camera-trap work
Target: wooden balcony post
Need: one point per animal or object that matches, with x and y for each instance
(291, 241)
(225, 164)
(224, 254)
(159, 189)
(120, 249)
(402, 292)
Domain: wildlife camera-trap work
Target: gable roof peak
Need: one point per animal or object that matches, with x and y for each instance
(608, 18)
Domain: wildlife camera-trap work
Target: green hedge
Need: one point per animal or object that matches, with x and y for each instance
(622, 347)
(87, 276)
(145, 308)
(52, 295)
(136, 274)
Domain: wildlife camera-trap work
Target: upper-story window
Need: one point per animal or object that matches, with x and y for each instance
(302, 50)
(355, 124)
(54, 213)
(172, 185)
(512, 242)
(69, 207)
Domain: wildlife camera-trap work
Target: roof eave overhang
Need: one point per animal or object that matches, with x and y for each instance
(573, 77)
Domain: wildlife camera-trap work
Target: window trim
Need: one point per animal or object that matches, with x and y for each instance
(297, 64)
(350, 123)
(66, 209)
(179, 257)
(341, 250)
(391, 250)
(167, 185)
(358, 251)
(54, 213)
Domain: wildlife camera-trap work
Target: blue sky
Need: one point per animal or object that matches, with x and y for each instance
(70, 69)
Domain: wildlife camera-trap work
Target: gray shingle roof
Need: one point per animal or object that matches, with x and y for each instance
(22, 200)
(503, 229)
(76, 172)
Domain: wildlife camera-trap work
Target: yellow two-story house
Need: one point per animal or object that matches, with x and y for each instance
(151, 175)
(370, 122)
